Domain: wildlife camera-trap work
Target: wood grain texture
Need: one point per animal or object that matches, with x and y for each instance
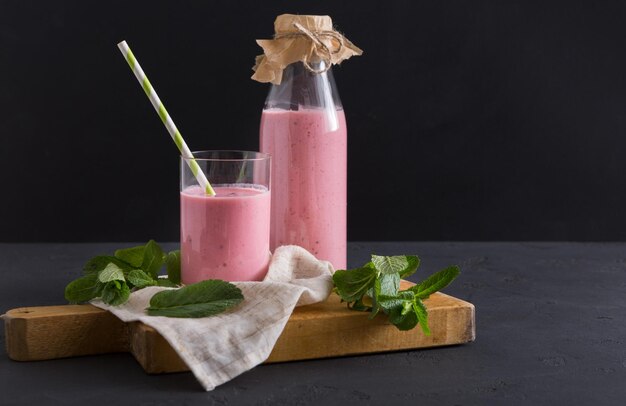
(50, 332)
(321, 330)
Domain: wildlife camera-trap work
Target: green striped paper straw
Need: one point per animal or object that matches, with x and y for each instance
(165, 117)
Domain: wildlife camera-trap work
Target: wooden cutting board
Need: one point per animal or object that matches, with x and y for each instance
(322, 330)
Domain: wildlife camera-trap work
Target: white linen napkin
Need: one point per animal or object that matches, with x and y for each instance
(218, 348)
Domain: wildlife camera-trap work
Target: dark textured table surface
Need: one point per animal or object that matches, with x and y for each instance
(551, 329)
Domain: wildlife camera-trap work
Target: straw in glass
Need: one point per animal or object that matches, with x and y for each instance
(165, 117)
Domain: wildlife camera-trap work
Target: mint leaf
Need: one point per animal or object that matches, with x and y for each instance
(403, 320)
(352, 284)
(404, 265)
(389, 284)
(98, 263)
(386, 285)
(83, 289)
(115, 293)
(140, 279)
(422, 315)
(172, 264)
(413, 262)
(400, 309)
(166, 283)
(201, 299)
(388, 303)
(152, 259)
(111, 272)
(435, 282)
(406, 307)
(132, 256)
(374, 292)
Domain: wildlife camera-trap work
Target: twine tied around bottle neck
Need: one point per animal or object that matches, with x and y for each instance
(319, 48)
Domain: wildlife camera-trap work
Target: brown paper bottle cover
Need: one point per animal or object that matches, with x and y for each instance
(301, 38)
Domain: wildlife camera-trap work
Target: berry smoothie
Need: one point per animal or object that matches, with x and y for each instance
(224, 236)
(309, 180)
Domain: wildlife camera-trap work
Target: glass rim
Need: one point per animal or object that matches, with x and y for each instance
(256, 155)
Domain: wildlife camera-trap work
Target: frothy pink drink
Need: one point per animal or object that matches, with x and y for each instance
(309, 180)
(224, 236)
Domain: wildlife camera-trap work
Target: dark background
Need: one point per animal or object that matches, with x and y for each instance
(468, 120)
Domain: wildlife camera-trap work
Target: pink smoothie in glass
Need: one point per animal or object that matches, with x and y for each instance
(309, 180)
(224, 236)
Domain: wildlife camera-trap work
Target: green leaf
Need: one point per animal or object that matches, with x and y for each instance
(413, 262)
(373, 293)
(133, 255)
(403, 322)
(407, 307)
(98, 263)
(435, 282)
(388, 303)
(389, 284)
(115, 293)
(200, 299)
(400, 310)
(140, 279)
(111, 272)
(166, 283)
(83, 289)
(404, 265)
(353, 284)
(152, 259)
(386, 285)
(422, 315)
(172, 264)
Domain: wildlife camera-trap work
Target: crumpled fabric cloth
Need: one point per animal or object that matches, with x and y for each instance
(218, 348)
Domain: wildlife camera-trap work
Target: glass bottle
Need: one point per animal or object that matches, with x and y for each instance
(303, 127)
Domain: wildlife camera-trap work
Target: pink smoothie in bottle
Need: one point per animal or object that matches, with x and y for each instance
(309, 179)
(224, 236)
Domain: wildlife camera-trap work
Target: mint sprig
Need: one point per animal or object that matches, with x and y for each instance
(112, 278)
(378, 283)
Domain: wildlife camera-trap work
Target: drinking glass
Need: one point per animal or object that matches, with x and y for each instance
(225, 236)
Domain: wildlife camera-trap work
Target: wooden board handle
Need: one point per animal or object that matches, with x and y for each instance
(49, 332)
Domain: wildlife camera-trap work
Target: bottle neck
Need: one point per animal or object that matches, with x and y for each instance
(302, 89)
